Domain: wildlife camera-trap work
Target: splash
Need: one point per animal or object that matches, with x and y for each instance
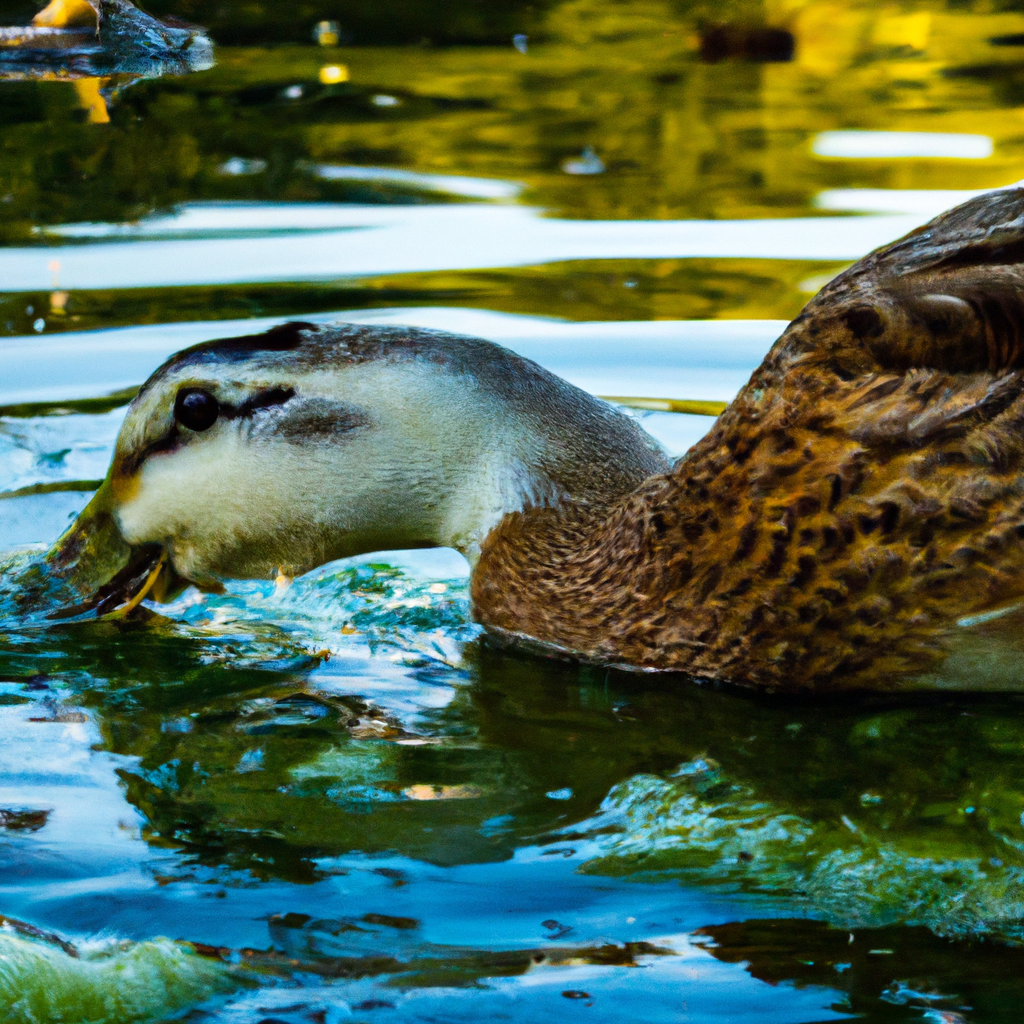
(91, 571)
(404, 612)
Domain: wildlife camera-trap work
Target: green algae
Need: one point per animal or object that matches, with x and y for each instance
(117, 984)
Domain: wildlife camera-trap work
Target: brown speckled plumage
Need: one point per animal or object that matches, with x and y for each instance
(863, 492)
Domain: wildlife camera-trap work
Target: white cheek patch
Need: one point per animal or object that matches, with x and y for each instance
(208, 496)
(240, 502)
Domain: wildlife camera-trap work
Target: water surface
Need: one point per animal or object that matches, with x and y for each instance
(341, 799)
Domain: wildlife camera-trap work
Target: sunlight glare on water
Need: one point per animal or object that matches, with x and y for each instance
(329, 798)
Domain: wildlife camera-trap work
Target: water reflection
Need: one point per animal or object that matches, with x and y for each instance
(245, 756)
(886, 974)
(605, 290)
(354, 241)
(701, 359)
(455, 185)
(677, 138)
(213, 775)
(102, 47)
(902, 145)
(262, 781)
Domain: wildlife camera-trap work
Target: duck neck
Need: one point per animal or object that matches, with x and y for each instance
(586, 456)
(502, 484)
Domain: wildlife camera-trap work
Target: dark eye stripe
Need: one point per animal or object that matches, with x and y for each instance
(320, 418)
(262, 400)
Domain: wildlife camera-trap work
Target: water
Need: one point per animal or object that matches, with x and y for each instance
(342, 800)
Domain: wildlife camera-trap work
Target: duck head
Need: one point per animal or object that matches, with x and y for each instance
(255, 456)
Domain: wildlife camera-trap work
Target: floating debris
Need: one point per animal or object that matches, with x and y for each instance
(588, 163)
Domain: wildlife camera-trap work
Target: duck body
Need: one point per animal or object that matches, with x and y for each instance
(855, 519)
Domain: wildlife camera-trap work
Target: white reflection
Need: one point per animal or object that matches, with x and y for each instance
(39, 518)
(47, 449)
(889, 145)
(924, 202)
(588, 163)
(451, 184)
(195, 220)
(240, 166)
(51, 765)
(676, 432)
(304, 242)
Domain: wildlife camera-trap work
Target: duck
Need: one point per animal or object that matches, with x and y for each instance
(853, 520)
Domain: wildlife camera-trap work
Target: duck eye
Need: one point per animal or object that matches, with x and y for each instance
(196, 409)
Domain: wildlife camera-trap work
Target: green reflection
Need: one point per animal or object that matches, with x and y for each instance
(680, 289)
(868, 813)
(870, 816)
(890, 974)
(677, 138)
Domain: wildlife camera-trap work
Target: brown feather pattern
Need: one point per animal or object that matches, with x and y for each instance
(863, 492)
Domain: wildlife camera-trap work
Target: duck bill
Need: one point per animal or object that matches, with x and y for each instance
(92, 571)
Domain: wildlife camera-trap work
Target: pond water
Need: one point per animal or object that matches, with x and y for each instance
(333, 800)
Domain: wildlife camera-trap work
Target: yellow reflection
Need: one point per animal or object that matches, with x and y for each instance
(828, 36)
(91, 99)
(333, 74)
(327, 33)
(677, 138)
(910, 30)
(693, 406)
(78, 14)
(66, 14)
(426, 792)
